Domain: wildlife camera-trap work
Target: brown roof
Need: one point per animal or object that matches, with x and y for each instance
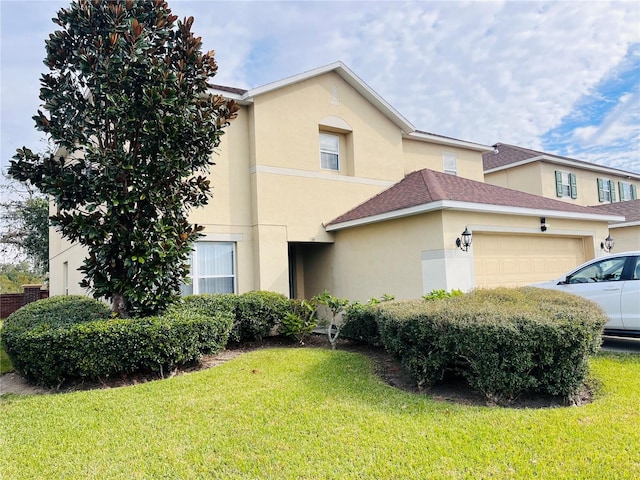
(509, 154)
(630, 209)
(427, 186)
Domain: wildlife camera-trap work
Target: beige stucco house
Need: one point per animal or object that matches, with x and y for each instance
(321, 184)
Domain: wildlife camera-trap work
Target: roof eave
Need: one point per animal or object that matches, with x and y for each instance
(347, 75)
(568, 163)
(450, 142)
(474, 207)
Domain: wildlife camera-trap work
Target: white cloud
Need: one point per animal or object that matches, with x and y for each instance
(480, 71)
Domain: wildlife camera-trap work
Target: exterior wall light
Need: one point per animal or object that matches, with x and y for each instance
(543, 224)
(608, 244)
(466, 240)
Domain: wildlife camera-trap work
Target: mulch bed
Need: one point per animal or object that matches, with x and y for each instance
(387, 367)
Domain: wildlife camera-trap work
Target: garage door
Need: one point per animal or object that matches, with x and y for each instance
(512, 260)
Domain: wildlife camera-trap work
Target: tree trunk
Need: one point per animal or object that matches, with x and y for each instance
(119, 306)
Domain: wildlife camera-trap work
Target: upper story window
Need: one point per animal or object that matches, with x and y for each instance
(566, 185)
(606, 190)
(449, 164)
(329, 151)
(628, 191)
(212, 268)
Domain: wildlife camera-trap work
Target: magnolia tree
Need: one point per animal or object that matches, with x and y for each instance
(132, 128)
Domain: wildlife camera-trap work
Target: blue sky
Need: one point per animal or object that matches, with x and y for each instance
(561, 77)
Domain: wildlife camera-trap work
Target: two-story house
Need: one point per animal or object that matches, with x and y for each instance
(321, 184)
(581, 183)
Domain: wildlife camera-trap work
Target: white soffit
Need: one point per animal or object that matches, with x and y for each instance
(451, 142)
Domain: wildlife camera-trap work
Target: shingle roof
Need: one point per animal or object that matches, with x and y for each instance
(510, 154)
(630, 209)
(427, 186)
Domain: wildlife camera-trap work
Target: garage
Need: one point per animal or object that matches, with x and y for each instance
(513, 260)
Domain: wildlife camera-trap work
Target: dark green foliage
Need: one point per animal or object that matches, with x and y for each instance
(132, 128)
(255, 313)
(360, 321)
(504, 342)
(299, 322)
(69, 345)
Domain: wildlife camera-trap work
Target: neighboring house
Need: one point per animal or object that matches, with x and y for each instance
(321, 184)
(563, 178)
(626, 234)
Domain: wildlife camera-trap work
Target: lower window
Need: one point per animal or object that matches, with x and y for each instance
(212, 268)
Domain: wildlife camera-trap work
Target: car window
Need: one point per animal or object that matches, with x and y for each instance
(608, 270)
(636, 270)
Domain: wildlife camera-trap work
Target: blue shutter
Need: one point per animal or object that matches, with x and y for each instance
(634, 192)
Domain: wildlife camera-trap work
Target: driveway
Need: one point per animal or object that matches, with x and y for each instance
(621, 344)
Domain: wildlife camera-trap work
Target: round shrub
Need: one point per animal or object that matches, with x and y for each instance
(41, 315)
(50, 351)
(257, 314)
(505, 342)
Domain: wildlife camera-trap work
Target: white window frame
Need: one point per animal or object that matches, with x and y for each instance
(627, 191)
(566, 184)
(324, 150)
(606, 191)
(195, 276)
(450, 164)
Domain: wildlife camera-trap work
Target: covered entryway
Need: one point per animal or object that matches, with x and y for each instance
(514, 260)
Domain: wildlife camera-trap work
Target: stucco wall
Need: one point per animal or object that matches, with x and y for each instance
(419, 155)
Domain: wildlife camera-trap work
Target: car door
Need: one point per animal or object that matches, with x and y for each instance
(630, 298)
(601, 282)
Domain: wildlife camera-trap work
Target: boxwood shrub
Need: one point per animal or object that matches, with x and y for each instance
(504, 342)
(255, 313)
(50, 349)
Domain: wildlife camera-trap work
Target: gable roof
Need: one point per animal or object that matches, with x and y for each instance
(509, 156)
(246, 97)
(630, 209)
(427, 190)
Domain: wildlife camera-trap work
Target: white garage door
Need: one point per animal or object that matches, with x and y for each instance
(512, 260)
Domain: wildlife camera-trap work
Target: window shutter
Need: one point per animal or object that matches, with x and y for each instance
(612, 188)
(574, 185)
(600, 192)
(634, 192)
(558, 183)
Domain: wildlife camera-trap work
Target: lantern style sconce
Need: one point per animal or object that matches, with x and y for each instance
(543, 224)
(464, 241)
(608, 244)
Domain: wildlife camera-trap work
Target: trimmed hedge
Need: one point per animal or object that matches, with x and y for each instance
(504, 342)
(64, 344)
(255, 313)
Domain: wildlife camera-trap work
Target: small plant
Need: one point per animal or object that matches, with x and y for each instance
(440, 293)
(336, 307)
(300, 322)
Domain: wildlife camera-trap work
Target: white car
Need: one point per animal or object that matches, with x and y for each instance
(614, 283)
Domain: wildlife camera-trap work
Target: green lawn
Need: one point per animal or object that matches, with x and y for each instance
(315, 413)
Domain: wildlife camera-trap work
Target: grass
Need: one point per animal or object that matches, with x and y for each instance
(315, 413)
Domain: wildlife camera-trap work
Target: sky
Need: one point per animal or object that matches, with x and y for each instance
(562, 77)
